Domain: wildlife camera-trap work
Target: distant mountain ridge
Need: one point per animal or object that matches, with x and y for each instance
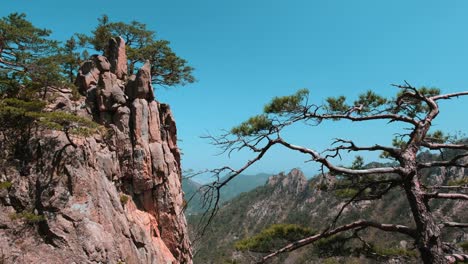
(242, 183)
(292, 199)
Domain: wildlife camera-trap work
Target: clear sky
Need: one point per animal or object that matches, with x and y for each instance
(247, 51)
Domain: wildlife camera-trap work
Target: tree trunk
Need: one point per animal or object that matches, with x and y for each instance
(428, 239)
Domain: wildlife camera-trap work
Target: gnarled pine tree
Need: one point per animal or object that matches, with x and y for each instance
(412, 107)
(167, 68)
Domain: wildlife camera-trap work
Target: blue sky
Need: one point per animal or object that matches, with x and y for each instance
(246, 52)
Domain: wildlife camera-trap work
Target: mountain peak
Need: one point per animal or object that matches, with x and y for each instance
(294, 180)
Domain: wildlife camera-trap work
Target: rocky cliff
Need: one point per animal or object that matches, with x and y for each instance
(113, 197)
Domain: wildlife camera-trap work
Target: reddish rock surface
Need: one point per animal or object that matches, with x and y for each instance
(117, 57)
(113, 198)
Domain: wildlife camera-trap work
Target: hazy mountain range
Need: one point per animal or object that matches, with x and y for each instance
(240, 184)
(292, 199)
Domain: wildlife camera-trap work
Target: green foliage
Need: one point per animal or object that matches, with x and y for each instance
(254, 125)
(287, 104)
(332, 246)
(429, 91)
(389, 251)
(464, 246)
(101, 34)
(19, 114)
(141, 44)
(458, 182)
(14, 106)
(75, 94)
(370, 101)
(273, 237)
(408, 102)
(337, 105)
(20, 119)
(437, 137)
(346, 193)
(76, 125)
(330, 261)
(358, 163)
(322, 186)
(17, 119)
(27, 56)
(22, 42)
(71, 55)
(5, 185)
(30, 61)
(124, 199)
(28, 217)
(398, 143)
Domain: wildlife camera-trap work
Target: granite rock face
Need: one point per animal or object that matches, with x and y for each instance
(117, 57)
(115, 197)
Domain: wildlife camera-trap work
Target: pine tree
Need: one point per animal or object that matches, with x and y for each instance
(415, 109)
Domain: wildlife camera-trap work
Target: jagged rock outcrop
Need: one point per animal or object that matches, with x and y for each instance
(110, 198)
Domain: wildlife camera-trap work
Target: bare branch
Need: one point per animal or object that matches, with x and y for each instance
(358, 224)
(457, 187)
(456, 258)
(351, 146)
(449, 163)
(211, 192)
(443, 146)
(454, 224)
(448, 96)
(454, 196)
(337, 169)
(249, 163)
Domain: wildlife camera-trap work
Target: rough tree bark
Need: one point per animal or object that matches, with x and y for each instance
(428, 232)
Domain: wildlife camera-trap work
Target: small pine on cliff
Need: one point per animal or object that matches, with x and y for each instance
(90, 178)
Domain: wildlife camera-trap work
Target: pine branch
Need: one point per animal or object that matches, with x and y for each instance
(355, 225)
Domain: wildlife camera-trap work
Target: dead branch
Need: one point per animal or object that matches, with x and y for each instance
(351, 146)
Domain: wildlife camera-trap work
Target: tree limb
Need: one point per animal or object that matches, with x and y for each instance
(357, 224)
(394, 152)
(448, 163)
(454, 196)
(456, 258)
(443, 146)
(448, 96)
(337, 169)
(391, 117)
(448, 187)
(454, 224)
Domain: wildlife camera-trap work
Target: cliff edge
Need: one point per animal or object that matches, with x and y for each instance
(113, 197)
